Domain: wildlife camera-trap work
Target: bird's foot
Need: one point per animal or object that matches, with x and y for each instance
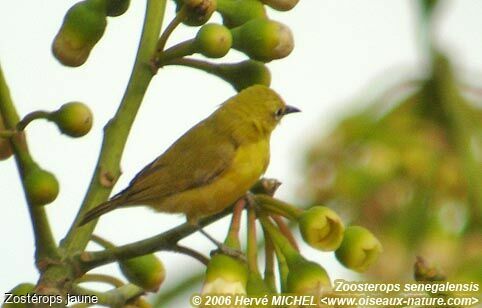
(222, 248)
(234, 253)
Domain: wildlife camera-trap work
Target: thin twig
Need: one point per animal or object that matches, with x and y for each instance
(252, 250)
(180, 16)
(276, 206)
(102, 242)
(232, 239)
(285, 230)
(35, 115)
(189, 252)
(269, 275)
(101, 278)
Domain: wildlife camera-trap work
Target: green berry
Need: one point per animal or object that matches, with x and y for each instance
(281, 5)
(117, 7)
(225, 274)
(245, 74)
(83, 26)
(41, 186)
(237, 12)
(21, 289)
(145, 271)
(359, 249)
(213, 40)
(197, 12)
(263, 40)
(73, 119)
(307, 277)
(321, 228)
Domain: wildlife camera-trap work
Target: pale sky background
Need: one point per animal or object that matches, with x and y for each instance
(342, 46)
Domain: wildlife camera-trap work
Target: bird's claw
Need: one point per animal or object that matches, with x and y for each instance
(234, 253)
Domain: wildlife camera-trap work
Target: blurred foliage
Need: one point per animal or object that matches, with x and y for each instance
(412, 174)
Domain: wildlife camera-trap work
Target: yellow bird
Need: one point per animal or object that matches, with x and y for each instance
(213, 164)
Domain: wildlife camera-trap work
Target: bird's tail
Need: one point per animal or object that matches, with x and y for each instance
(101, 209)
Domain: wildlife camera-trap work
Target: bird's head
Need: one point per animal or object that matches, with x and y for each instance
(259, 105)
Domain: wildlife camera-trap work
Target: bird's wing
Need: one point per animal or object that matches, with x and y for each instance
(196, 159)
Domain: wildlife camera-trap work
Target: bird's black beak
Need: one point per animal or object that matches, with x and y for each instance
(290, 109)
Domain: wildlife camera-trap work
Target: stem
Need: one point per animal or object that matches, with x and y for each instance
(252, 250)
(276, 206)
(102, 298)
(285, 230)
(163, 241)
(180, 50)
(102, 242)
(269, 275)
(180, 16)
(282, 268)
(46, 248)
(290, 253)
(209, 67)
(7, 133)
(39, 114)
(117, 129)
(271, 248)
(189, 252)
(101, 278)
(232, 239)
(113, 298)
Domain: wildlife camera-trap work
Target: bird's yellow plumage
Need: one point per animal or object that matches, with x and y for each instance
(211, 165)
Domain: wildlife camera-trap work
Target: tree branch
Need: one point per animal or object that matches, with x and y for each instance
(163, 241)
(117, 129)
(46, 247)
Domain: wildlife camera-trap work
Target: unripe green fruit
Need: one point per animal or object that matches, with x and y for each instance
(245, 74)
(117, 7)
(225, 274)
(321, 228)
(41, 186)
(213, 40)
(145, 271)
(21, 289)
(359, 249)
(237, 12)
(73, 119)
(263, 40)
(139, 302)
(83, 26)
(281, 5)
(307, 277)
(198, 12)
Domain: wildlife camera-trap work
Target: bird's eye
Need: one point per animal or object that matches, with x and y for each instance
(279, 113)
